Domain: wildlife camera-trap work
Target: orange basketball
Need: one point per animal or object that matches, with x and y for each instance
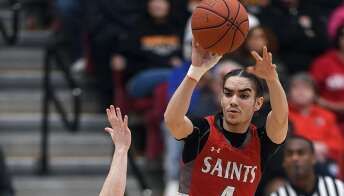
(220, 26)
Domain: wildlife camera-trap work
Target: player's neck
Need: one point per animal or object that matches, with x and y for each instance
(235, 128)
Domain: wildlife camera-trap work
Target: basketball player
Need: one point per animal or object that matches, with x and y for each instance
(299, 161)
(224, 154)
(114, 184)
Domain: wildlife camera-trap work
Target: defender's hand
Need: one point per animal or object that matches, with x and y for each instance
(120, 133)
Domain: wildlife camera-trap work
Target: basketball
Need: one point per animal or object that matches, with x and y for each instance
(219, 26)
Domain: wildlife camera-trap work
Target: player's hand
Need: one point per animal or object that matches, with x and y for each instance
(202, 58)
(264, 67)
(119, 131)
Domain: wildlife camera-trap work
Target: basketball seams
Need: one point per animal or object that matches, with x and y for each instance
(223, 26)
(216, 42)
(232, 40)
(217, 26)
(228, 10)
(210, 27)
(235, 30)
(226, 19)
(246, 20)
(205, 8)
(212, 11)
(229, 28)
(238, 28)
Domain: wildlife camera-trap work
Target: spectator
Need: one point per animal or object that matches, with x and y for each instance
(328, 72)
(71, 31)
(154, 49)
(303, 35)
(108, 24)
(336, 20)
(314, 122)
(326, 6)
(299, 160)
(37, 14)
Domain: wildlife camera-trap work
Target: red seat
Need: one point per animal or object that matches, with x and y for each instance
(152, 108)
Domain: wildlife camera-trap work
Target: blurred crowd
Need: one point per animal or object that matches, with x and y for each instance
(138, 51)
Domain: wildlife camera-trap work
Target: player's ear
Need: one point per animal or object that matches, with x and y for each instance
(259, 103)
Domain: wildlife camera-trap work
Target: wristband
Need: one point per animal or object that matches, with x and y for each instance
(196, 73)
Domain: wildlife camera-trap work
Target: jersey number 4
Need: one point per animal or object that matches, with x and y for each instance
(229, 191)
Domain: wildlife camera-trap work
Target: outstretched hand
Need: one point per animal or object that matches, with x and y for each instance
(202, 58)
(119, 131)
(264, 67)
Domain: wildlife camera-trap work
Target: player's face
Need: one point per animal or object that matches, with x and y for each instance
(239, 101)
(298, 159)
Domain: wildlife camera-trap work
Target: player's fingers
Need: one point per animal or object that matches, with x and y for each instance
(113, 112)
(270, 57)
(265, 52)
(274, 66)
(108, 113)
(256, 56)
(125, 121)
(110, 116)
(194, 43)
(108, 130)
(119, 114)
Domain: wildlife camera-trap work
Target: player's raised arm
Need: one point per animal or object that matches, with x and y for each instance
(277, 121)
(114, 184)
(175, 119)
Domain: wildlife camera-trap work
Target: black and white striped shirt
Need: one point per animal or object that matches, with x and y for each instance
(327, 186)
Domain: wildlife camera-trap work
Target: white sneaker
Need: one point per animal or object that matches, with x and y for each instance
(171, 188)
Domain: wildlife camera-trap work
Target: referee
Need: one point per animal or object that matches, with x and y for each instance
(299, 161)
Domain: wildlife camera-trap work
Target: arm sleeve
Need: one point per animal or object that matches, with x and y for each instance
(196, 140)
